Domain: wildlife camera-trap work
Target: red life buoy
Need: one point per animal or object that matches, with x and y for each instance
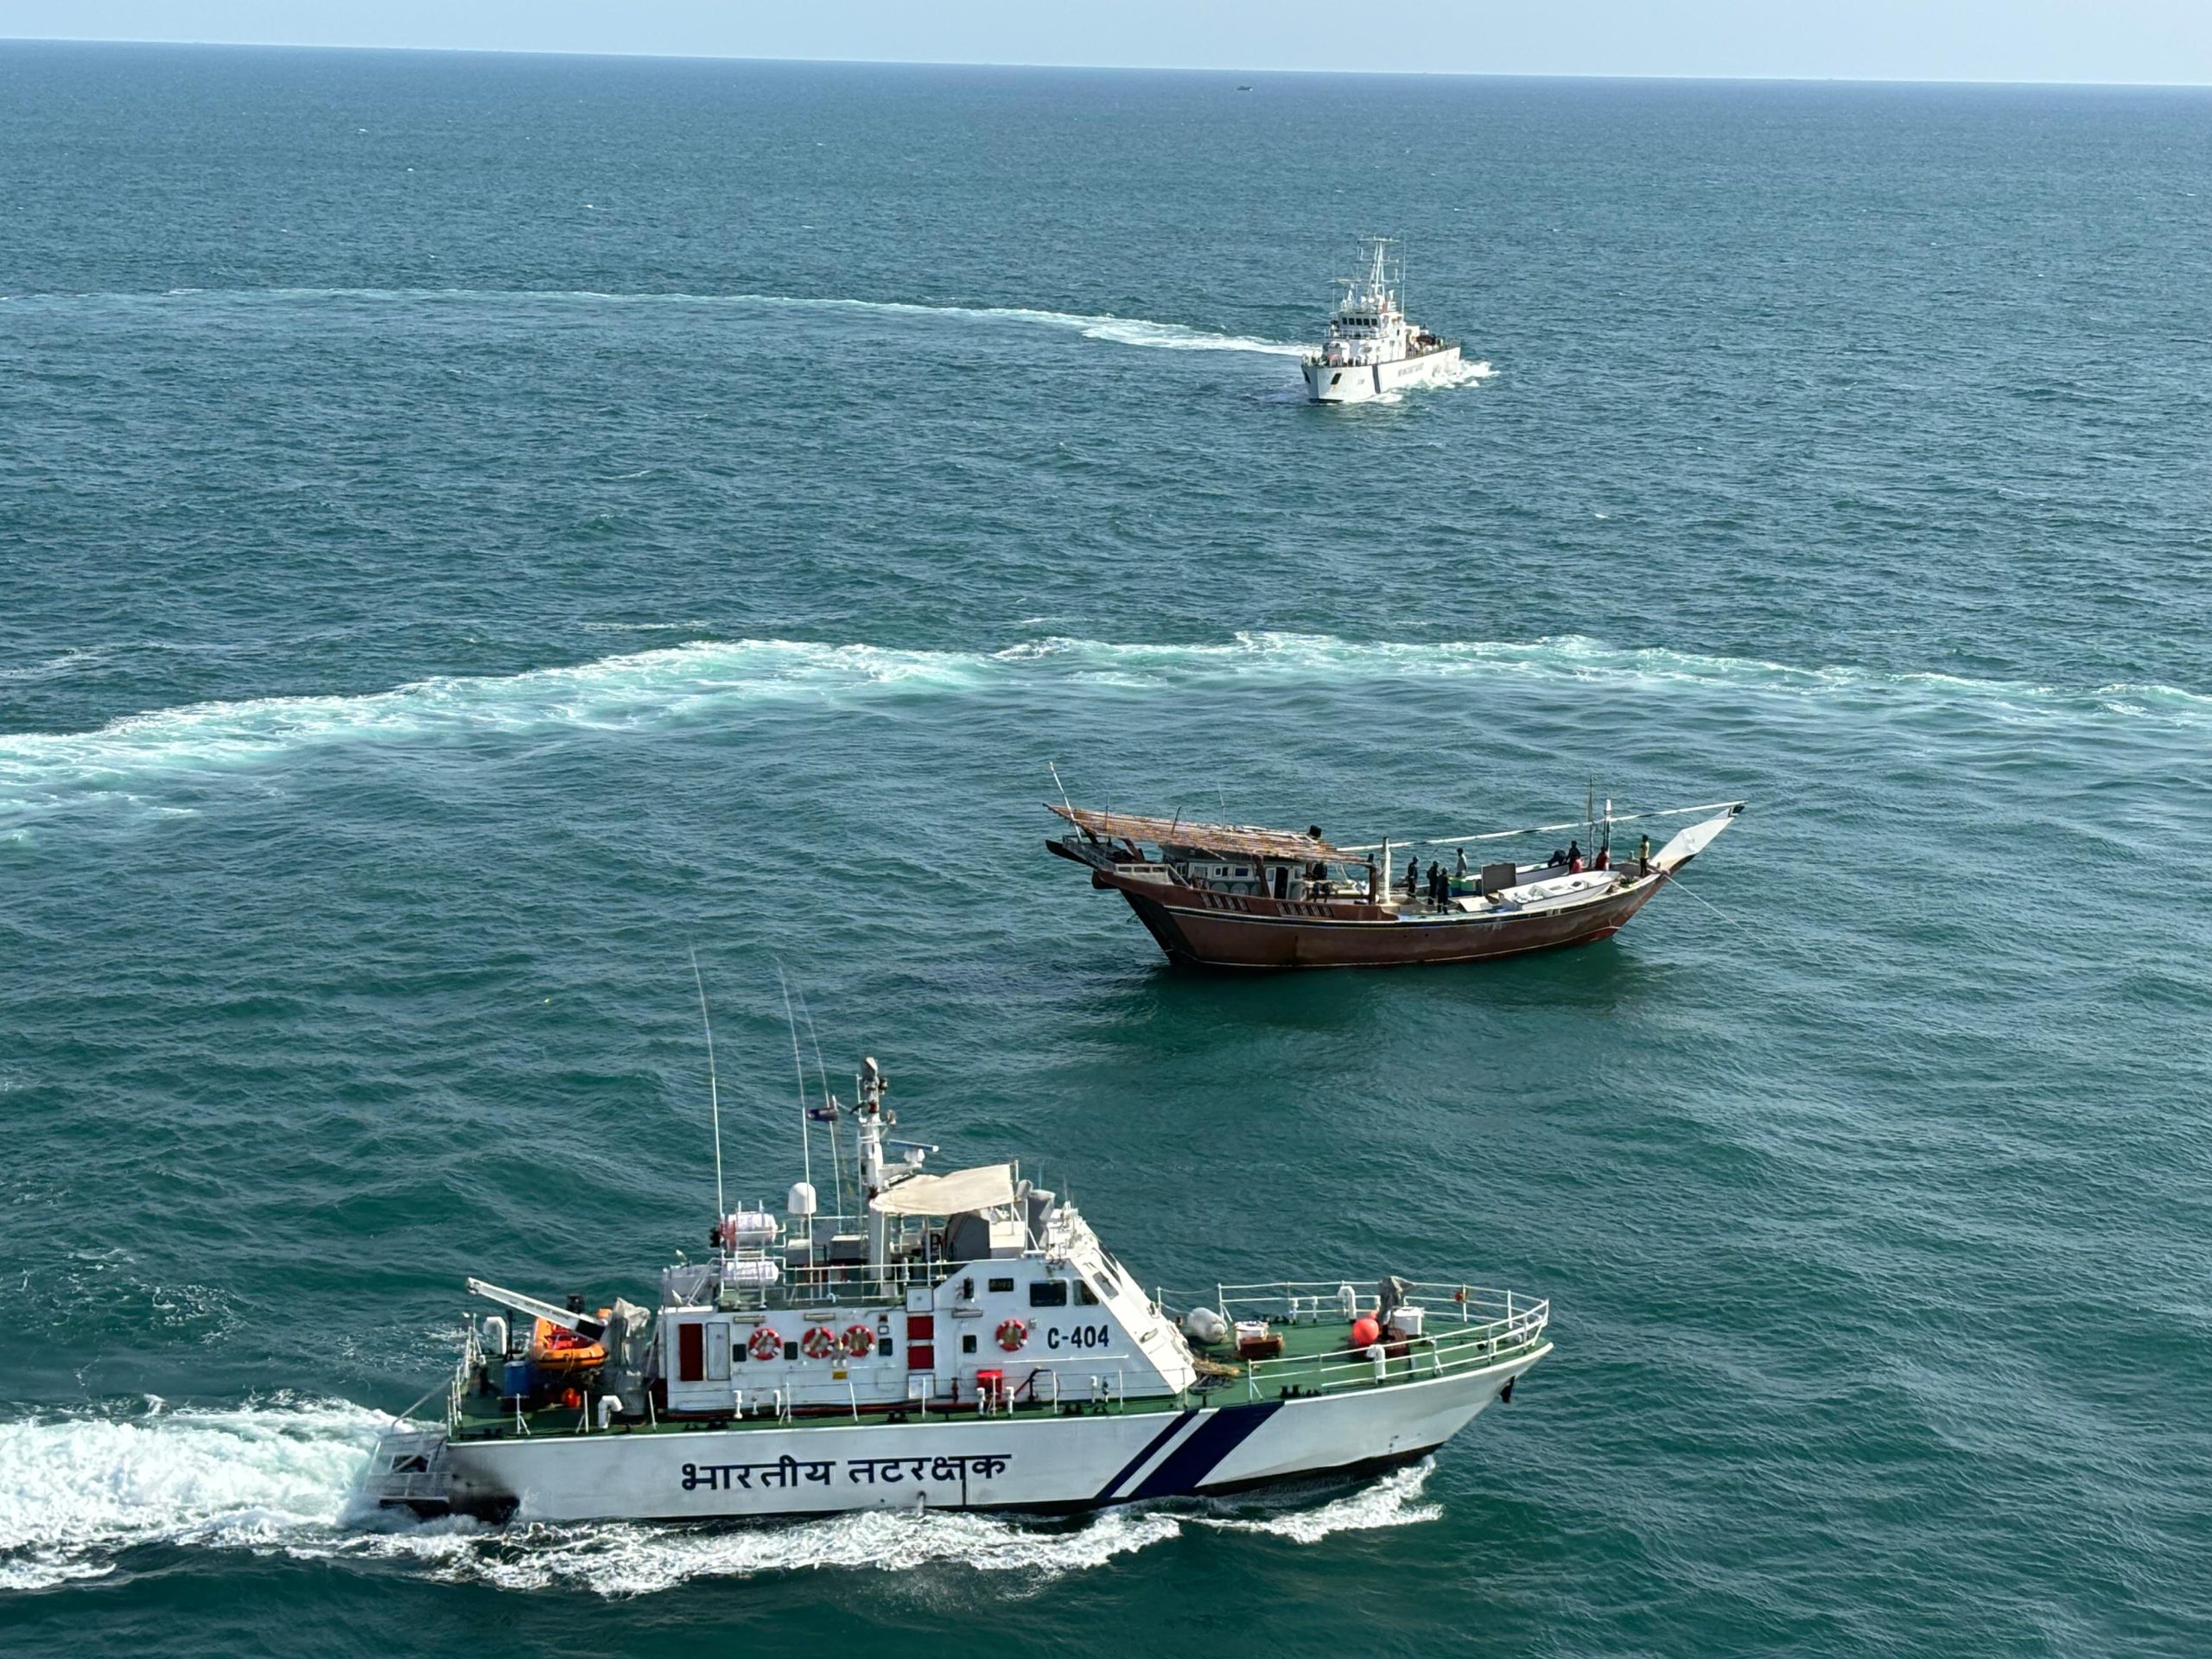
(819, 1342)
(765, 1344)
(858, 1341)
(1013, 1334)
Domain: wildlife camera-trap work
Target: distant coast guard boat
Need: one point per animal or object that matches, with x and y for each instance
(1371, 347)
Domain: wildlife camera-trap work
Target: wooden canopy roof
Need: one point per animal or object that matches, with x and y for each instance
(1250, 840)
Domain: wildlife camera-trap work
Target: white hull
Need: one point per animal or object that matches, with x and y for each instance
(1359, 382)
(1025, 1461)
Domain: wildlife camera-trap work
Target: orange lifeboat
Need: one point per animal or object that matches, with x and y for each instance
(555, 1347)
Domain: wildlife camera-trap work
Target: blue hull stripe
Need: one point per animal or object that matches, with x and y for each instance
(1183, 1469)
(1151, 1446)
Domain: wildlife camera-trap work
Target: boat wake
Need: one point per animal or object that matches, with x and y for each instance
(1467, 374)
(82, 1491)
(76, 1490)
(702, 680)
(1121, 331)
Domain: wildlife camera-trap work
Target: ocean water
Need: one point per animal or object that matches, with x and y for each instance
(473, 529)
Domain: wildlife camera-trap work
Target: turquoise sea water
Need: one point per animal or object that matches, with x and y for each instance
(472, 529)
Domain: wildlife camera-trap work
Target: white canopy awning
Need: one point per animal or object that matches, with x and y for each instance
(948, 1194)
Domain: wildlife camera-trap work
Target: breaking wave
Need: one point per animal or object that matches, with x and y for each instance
(673, 683)
(1122, 331)
(78, 1491)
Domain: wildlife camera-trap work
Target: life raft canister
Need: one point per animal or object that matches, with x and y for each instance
(1012, 1334)
(765, 1344)
(858, 1341)
(819, 1342)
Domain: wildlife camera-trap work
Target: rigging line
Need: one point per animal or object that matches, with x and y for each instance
(1540, 829)
(1678, 882)
(798, 1069)
(714, 1090)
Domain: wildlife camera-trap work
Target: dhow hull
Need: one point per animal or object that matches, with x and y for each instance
(1218, 931)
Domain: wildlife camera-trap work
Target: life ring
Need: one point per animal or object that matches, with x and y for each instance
(819, 1342)
(1012, 1334)
(765, 1344)
(858, 1341)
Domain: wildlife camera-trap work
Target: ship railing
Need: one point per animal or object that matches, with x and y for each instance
(1320, 1302)
(1445, 1349)
(1463, 1328)
(839, 1285)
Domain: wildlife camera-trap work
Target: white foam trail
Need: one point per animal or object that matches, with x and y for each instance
(120, 761)
(626, 1560)
(1125, 331)
(78, 1489)
(75, 1490)
(1394, 1501)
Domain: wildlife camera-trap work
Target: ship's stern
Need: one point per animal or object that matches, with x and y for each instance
(410, 1472)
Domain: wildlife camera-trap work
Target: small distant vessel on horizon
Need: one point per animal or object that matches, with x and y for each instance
(1239, 896)
(1370, 347)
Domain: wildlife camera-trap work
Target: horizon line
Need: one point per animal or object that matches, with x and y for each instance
(1107, 68)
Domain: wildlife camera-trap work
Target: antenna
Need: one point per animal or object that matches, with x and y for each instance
(714, 1090)
(829, 1100)
(798, 1069)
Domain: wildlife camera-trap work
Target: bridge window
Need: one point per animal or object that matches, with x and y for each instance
(1001, 1285)
(1048, 1293)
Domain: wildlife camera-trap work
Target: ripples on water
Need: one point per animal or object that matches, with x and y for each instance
(694, 504)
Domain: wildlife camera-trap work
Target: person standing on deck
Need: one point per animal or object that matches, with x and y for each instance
(1460, 863)
(1642, 856)
(1413, 876)
(1574, 858)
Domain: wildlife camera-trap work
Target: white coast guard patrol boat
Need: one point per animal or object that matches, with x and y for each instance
(1371, 347)
(959, 1341)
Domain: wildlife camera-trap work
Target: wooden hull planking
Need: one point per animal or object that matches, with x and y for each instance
(1223, 931)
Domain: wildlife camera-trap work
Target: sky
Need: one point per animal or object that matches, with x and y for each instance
(2162, 42)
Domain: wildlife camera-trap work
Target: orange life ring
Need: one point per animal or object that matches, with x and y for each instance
(819, 1342)
(858, 1341)
(765, 1344)
(1013, 1334)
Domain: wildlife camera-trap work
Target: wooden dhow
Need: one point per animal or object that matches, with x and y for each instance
(1240, 896)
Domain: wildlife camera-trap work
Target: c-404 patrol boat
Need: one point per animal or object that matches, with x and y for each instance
(1371, 347)
(960, 1341)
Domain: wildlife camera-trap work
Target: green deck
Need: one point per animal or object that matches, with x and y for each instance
(1316, 1359)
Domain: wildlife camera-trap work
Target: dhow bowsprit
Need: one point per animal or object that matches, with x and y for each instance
(955, 1341)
